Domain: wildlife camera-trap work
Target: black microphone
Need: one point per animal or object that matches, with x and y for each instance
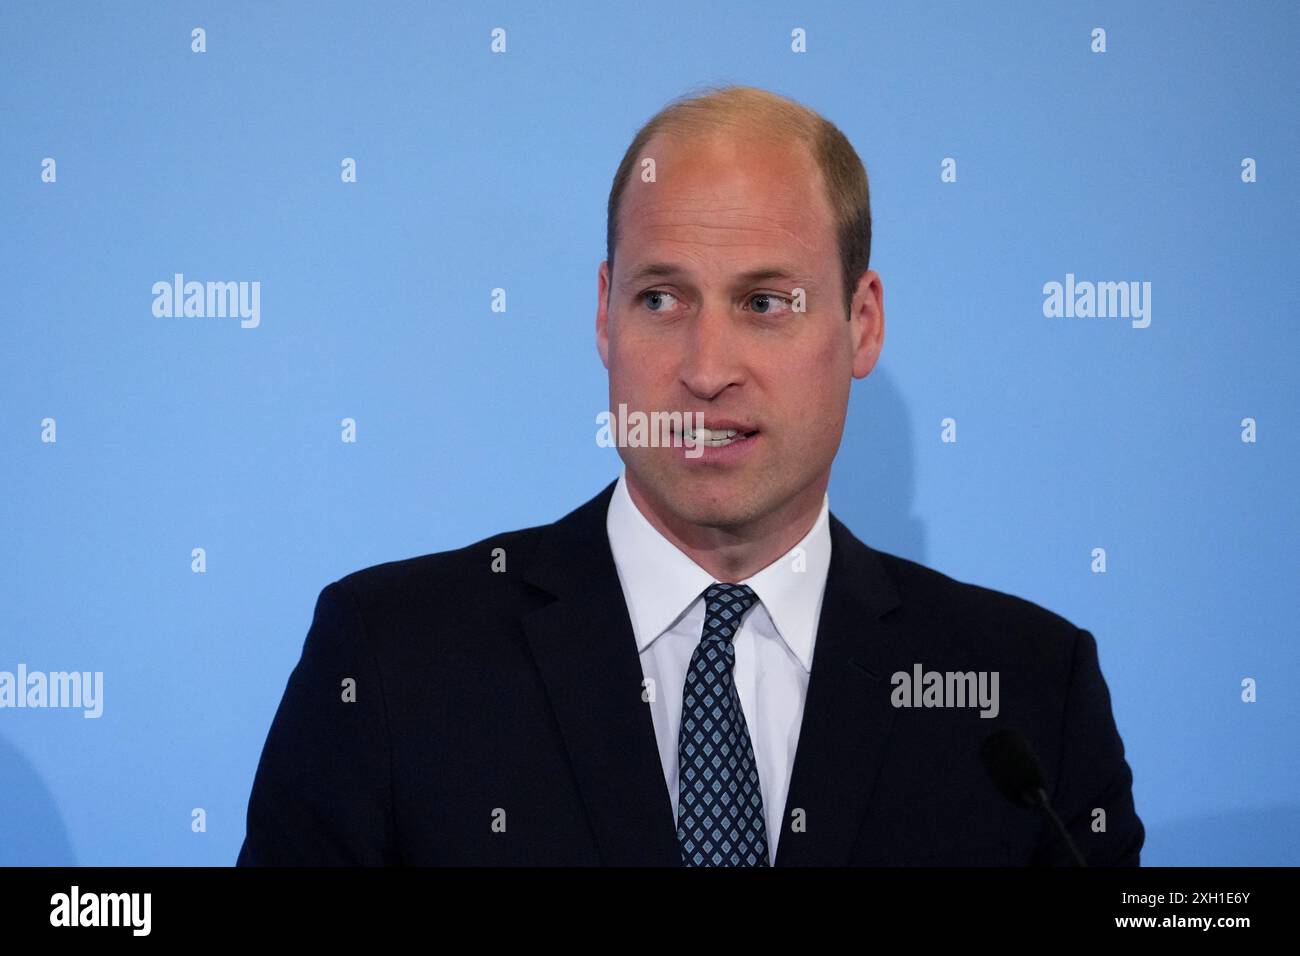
(1016, 772)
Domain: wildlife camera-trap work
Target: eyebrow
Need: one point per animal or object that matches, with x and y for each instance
(667, 270)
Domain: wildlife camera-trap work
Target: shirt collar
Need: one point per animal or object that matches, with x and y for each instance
(660, 583)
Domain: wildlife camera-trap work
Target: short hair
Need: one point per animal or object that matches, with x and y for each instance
(749, 109)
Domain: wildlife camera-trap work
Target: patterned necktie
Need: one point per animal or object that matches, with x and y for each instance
(720, 806)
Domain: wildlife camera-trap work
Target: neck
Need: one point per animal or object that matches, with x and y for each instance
(735, 553)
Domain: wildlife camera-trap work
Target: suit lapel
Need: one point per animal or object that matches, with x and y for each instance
(587, 657)
(847, 713)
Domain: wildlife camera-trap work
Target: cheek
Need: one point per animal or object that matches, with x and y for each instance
(814, 388)
(821, 363)
(624, 367)
(636, 365)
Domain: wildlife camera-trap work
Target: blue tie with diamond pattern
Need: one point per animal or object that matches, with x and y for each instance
(719, 805)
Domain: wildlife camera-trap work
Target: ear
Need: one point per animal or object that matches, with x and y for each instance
(602, 313)
(867, 323)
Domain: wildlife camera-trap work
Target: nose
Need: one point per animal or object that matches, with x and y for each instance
(713, 354)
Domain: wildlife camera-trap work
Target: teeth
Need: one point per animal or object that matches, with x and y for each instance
(710, 436)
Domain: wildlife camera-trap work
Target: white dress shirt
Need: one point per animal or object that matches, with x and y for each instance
(664, 592)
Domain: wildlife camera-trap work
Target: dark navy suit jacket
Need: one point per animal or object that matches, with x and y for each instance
(498, 720)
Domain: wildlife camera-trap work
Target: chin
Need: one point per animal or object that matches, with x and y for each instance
(705, 517)
(712, 507)
(707, 500)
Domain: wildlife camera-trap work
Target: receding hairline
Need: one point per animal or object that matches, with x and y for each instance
(723, 112)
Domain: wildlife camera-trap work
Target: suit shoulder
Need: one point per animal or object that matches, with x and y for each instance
(444, 573)
(967, 605)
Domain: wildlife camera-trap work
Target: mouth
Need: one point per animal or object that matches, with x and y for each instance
(718, 434)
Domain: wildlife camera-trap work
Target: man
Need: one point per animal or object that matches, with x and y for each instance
(701, 665)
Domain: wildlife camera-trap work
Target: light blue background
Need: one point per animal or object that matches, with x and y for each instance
(478, 170)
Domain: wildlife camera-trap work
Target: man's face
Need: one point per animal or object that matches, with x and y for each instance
(703, 336)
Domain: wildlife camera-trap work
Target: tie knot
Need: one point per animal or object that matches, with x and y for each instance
(724, 605)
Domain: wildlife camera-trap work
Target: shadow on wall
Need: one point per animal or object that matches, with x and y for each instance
(1269, 836)
(31, 828)
(873, 480)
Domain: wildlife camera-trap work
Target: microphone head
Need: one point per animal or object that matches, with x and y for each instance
(1015, 771)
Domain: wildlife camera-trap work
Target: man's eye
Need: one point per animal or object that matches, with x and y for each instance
(654, 299)
(766, 303)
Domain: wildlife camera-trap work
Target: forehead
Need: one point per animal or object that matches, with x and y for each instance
(727, 193)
